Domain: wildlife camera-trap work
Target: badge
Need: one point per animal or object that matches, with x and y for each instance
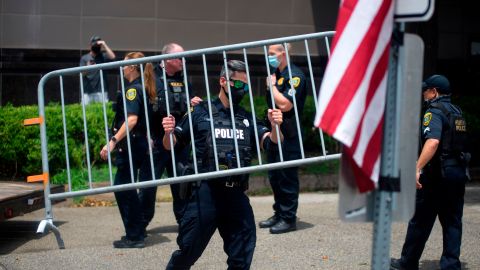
(280, 81)
(131, 94)
(427, 118)
(295, 81)
(246, 123)
(176, 84)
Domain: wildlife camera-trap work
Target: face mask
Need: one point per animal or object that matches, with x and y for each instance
(273, 61)
(238, 90)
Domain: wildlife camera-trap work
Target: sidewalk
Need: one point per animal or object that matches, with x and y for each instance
(322, 241)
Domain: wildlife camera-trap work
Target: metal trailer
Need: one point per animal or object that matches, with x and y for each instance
(18, 198)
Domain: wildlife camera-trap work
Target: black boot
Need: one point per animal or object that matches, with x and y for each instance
(282, 227)
(269, 222)
(127, 243)
(396, 264)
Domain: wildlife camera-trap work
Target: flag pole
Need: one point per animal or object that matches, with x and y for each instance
(389, 180)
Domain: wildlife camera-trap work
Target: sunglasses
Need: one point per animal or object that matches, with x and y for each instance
(240, 85)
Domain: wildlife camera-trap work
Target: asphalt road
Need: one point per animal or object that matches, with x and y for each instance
(322, 241)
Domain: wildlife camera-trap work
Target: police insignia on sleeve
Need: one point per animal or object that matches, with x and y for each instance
(131, 94)
(427, 118)
(280, 81)
(295, 81)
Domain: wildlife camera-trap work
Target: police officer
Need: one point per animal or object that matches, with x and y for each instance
(127, 201)
(284, 182)
(161, 157)
(220, 203)
(441, 177)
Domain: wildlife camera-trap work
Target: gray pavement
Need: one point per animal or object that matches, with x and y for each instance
(322, 241)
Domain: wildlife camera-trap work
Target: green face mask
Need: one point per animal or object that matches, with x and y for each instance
(238, 90)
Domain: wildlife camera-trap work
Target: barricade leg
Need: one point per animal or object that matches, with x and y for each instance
(47, 225)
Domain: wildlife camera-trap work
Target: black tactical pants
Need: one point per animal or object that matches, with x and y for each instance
(442, 198)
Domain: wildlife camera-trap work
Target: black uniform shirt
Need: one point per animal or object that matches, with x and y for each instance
(283, 85)
(175, 84)
(288, 127)
(201, 126)
(134, 104)
(434, 122)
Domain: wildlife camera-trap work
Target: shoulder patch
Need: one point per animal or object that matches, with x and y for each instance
(427, 118)
(131, 94)
(295, 81)
(280, 81)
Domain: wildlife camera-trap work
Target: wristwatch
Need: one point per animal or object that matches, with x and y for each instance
(113, 139)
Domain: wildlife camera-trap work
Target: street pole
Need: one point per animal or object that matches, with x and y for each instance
(389, 180)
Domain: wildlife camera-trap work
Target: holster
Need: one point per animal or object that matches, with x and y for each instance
(460, 162)
(185, 189)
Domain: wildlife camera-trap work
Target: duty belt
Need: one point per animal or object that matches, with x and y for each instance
(230, 184)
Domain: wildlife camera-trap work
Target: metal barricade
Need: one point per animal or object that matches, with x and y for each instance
(47, 223)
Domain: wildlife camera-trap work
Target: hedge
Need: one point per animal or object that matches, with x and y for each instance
(20, 153)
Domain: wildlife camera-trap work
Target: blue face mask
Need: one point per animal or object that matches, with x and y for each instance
(273, 61)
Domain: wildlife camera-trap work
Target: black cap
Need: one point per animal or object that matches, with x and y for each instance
(94, 39)
(439, 82)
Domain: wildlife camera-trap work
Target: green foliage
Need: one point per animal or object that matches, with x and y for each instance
(79, 177)
(20, 152)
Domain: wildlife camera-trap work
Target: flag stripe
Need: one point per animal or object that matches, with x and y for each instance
(352, 96)
(344, 14)
(375, 104)
(374, 147)
(353, 76)
(375, 71)
(343, 52)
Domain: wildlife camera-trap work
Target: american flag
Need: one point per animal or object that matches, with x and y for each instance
(352, 95)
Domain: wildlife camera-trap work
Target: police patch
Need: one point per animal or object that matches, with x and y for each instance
(295, 81)
(427, 118)
(131, 94)
(280, 81)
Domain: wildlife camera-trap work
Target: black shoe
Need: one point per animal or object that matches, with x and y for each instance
(145, 235)
(282, 227)
(396, 264)
(269, 222)
(127, 243)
